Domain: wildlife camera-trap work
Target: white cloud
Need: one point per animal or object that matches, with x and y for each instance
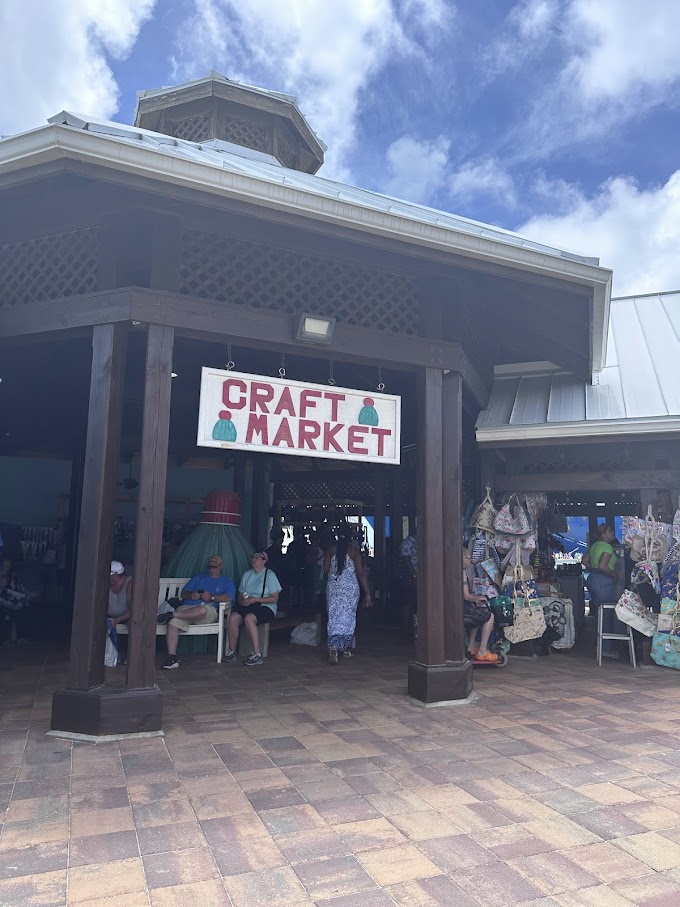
(416, 168)
(634, 231)
(322, 52)
(53, 56)
(483, 177)
(622, 47)
(526, 31)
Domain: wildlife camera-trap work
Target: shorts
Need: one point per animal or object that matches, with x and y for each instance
(262, 613)
(477, 614)
(211, 617)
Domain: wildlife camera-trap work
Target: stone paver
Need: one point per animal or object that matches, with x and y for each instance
(299, 784)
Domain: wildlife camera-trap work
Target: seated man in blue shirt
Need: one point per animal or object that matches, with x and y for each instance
(205, 591)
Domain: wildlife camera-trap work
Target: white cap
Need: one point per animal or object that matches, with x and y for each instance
(117, 568)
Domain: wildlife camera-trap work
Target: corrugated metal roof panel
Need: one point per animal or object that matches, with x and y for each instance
(567, 401)
(639, 380)
(531, 403)
(501, 402)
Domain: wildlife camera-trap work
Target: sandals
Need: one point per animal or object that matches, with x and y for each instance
(490, 656)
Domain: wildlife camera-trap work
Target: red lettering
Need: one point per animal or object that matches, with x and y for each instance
(307, 401)
(335, 398)
(329, 436)
(355, 438)
(226, 393)
(257, 425)
(308, 432)
(260, 395)
(285, 403)
(283, 435)
(382, 433)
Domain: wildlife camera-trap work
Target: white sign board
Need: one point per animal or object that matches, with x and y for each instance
(274, 415)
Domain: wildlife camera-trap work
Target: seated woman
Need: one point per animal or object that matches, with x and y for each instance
(476, 610)
(258, 595)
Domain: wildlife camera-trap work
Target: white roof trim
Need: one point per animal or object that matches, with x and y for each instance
(258, 188)
(561, 431)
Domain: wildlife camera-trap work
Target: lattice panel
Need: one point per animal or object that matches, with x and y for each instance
(243, 132)
(286, 152)
(473, 325)
(317, 490)
(545, 459)
(64, 264)
(191, 129)
(250, 274)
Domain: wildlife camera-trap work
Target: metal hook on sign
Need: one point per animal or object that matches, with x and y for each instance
(331, 379)
(230, 362)
(282, 370)
(381, 383)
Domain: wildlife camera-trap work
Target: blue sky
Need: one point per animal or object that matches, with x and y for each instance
(557, 118)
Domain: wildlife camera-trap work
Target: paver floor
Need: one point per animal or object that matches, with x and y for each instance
(296, 783)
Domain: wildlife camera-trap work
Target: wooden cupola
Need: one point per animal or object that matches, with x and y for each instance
(218, 108)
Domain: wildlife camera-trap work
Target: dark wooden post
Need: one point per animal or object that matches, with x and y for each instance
(74, 710)
(378, 577)
(431, 679)
(261, 506)
(452, 432)
(150, 508)
(95, 540)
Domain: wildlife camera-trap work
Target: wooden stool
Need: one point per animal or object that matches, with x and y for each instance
(601, 635)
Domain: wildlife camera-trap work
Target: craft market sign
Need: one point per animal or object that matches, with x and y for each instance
(274, 415)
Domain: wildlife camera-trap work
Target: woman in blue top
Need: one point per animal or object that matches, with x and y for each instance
(257, 598)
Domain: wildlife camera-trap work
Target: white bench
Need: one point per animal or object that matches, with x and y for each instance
(172, 588)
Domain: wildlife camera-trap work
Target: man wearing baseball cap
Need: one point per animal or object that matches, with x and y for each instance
(204, 592)
(120, 594)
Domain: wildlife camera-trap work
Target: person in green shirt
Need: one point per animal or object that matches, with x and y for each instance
(600, 562)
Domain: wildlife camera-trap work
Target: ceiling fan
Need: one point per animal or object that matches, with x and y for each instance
(130, 482)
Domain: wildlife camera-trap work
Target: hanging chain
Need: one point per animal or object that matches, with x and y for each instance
(331, 378)
(381, 384)
(230, 361)
(282, 370)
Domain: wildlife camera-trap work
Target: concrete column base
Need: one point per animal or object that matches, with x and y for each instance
(447, 683)
(107, 710)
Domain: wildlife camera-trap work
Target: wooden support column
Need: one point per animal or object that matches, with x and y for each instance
(150, 515)
(452, 463)
(379, 504)
(78, 709)
(431, 679)
(261, 505)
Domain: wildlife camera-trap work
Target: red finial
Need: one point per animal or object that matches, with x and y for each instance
(368, 401)
(225, 414)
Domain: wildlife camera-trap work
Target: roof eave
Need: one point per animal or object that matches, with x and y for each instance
(51, 142)
(563, 431)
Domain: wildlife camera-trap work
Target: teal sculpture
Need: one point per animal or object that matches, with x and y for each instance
(224, 430)
(368, 414)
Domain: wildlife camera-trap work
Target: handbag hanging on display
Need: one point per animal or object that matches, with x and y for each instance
(666, 640)
(512, 518)
(485, 514)
(631, 611)
(529, 620)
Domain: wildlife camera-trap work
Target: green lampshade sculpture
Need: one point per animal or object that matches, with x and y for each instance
(217, 533)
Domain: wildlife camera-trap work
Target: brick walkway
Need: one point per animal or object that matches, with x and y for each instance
(300, 784)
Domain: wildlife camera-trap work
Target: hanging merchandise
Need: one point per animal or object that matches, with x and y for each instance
(555, 521)
(666, 640)
(630, 610)
(676, 523)
(559, 614)
(512, 519)
(111, 651)
(503, 610)
(529, 620)
(536, 503)
(492, 570)
(485, 514)
(479, 550)
(633, 526)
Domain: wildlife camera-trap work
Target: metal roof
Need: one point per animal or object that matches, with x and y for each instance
(234, 172)
(238, 159)
(636, 392)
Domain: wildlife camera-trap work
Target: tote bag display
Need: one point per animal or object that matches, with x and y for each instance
(631, 611)
(529, 621)
(512, 518)
(666, 640)
(484, 516)
(559, 614)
